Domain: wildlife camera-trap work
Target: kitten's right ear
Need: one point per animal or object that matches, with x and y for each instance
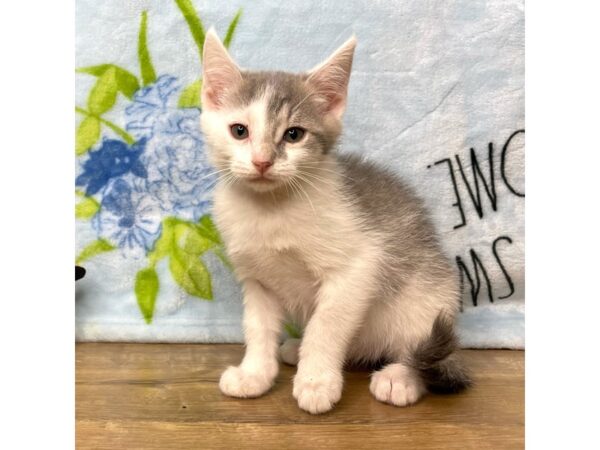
(219, 73)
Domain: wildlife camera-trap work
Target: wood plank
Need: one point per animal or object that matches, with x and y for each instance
(166, 396)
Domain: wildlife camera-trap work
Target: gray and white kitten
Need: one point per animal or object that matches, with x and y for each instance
(334, 243)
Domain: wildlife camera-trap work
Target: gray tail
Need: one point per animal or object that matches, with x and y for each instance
(435, 360)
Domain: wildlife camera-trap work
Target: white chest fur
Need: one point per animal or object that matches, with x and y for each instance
(290, 247)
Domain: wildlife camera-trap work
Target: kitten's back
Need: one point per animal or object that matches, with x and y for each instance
(390, 208)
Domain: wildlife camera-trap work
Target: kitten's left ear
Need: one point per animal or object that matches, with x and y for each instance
(330, 78)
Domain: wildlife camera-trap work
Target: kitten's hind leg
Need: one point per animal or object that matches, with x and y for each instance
(431, 366)
(397, 384)
(289, 351)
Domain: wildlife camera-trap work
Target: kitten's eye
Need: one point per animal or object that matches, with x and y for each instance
(293, 134)
(239, 131)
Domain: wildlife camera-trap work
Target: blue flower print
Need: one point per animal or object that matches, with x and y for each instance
(150, 103)
(179, 173)
(128, 217)
(114, 158)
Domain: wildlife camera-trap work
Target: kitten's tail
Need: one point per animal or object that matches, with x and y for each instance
(436, 361)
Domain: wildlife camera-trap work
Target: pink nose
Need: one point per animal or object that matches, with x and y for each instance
(262, 166)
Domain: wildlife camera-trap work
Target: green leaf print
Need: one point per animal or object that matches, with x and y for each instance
(231, 29)
(127, 83)
(193, 242)
(87, 207)
(93, 249)
(191, 274)
(88, 133)
(184, 243)
(146, 290)
(146, 67)
(118, 130)
(190, 96)
(165, 243)
(207, 228)
(104, 93)
(194, 23)
(292, 330)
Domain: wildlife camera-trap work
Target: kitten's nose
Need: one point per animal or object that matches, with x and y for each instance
(262, 166)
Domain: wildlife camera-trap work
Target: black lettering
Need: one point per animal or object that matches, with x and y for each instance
(502, 165)
(475, 284)
(478, 174)
(458, 202)
(504, 271)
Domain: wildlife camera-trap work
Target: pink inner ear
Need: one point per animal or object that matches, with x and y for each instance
(210, 99)
(336, 104)
(330, 82)
(330, 79)
(333, 104)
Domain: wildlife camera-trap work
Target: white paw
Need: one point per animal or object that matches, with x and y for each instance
(319, 393)
(289, 351)
(397, 384)
(237, 382)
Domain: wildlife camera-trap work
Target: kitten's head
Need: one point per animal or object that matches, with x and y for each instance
(266, 128)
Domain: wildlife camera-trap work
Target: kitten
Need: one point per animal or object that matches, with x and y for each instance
(333, 242)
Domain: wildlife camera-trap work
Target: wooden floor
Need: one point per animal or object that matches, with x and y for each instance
(165, 396)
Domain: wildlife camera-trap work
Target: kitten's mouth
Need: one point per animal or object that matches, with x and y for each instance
(261, 179)
(262, 183)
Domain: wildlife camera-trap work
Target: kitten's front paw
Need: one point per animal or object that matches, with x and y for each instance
(236, 382)
(397, 384)
(317, 393)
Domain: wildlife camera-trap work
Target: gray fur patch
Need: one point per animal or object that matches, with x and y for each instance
(291, 103)
(391, 209)
(436, 360)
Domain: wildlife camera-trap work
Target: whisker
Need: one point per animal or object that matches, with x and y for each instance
(293, 187)
(294, 193)
(285, 183)
(213, 173)
(337, 172)
(311, 183)
(229, 180)
(295, 182)
(322, 180)
(317, 178)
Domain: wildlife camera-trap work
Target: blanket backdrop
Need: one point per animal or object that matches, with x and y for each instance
(436, 93)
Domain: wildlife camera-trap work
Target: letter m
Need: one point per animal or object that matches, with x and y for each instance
(474, 278)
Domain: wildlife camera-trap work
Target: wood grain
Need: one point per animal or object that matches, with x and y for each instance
(162, 396)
